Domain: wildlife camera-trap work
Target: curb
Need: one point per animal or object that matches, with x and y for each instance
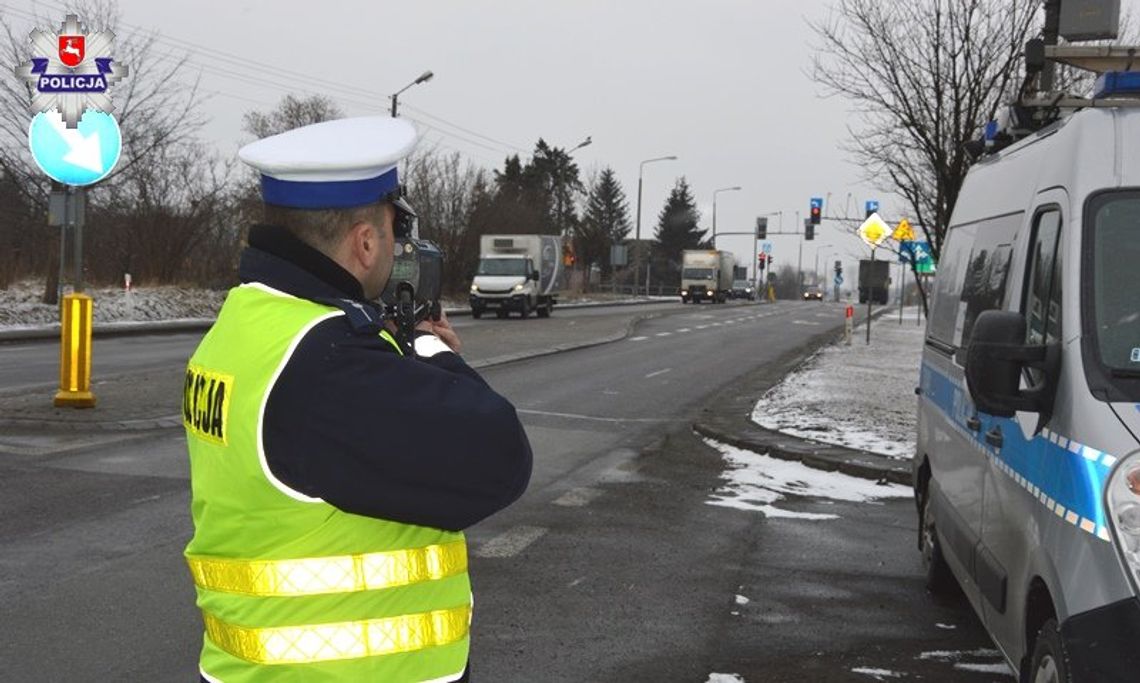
(734, 425)
(126, 329)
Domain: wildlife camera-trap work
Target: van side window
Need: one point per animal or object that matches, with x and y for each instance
(1043, 294)
(984, 287)
(948, 284)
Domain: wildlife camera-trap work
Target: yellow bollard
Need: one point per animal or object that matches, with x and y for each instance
(75, 352)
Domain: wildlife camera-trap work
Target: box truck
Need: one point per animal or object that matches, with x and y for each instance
(520, 273)
(706, 274)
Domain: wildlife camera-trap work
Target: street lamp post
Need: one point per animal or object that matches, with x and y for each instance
(424, 77)
(715, 193)
(637, 235)
(553, 182)
(816, 269)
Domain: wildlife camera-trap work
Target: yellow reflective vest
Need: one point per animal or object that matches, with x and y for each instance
(290, 587)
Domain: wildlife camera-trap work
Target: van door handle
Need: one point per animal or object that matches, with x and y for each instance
(974, 423)
(994, 437)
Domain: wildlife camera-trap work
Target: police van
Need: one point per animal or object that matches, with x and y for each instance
(1027, 471)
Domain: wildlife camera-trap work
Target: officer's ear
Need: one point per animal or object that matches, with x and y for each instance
(369, 234)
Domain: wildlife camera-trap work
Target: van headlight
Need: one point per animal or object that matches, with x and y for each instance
(519, 287)
(474, 289)
(1122, 498)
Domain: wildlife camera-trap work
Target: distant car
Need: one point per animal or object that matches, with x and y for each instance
(742, 289)
(813, 292)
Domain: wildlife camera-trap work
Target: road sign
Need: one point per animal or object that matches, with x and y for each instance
(767, 248)
(79, 156)
(618, 256)
(872, 206)
(874, 231)
(903, 233)
(923, 258)
(838, 280)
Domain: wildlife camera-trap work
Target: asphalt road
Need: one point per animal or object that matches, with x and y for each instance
(611, 568)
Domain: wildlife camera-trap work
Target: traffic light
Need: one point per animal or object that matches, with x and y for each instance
(872, 206)
(761, 228)
(839, 267)
(760, 259)
(809, 232)
(816, 210)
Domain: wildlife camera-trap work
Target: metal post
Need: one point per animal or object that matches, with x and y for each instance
(902, 292)
(870, 298)
(800, 262)
(637, 238)
(77, 226)
(1050, 35)
(714, 221)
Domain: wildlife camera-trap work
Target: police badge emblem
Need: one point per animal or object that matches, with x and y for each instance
(71, 70)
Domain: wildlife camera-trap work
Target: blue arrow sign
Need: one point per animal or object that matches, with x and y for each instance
(838, 280)
(872, 206)
(767, 247)
(75, 156)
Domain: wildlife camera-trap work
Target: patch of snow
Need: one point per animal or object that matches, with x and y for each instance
(954, 655)
(21, 306)
(878, 674)
(741, 600)
(755, 482)
(724, 678)
(946, 627)
(857, 396)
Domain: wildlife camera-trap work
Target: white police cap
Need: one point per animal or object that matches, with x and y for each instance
(332, 165)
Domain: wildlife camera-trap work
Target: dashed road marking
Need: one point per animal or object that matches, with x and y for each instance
(664, 334)
(658, 373)
(579, 497)
(638, 338)
(512, 542)
(683, 330)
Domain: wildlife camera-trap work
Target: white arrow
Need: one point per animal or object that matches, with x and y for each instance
(84, 152)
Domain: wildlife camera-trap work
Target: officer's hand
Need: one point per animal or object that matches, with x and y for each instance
(442, 329)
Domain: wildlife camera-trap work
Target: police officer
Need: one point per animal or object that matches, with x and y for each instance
(332, 475)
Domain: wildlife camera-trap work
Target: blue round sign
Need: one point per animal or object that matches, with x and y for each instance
(75, 156)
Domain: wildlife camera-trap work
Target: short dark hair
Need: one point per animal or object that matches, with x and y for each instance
(322, 229)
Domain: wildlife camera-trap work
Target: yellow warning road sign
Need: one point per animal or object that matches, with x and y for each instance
(874, 231)
(903, 233)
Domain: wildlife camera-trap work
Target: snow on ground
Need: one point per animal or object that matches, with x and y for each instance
(996, 664)
(21, 305)
(724, 678)
(756, 482)
(857, 396)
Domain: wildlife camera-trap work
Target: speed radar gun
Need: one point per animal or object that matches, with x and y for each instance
(413, 290)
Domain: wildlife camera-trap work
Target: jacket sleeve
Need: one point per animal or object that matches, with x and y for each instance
(423, 442)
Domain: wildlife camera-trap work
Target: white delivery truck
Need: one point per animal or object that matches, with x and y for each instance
(521, 273)
(706, 274)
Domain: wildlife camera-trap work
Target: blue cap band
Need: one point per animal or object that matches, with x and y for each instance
(337, 194)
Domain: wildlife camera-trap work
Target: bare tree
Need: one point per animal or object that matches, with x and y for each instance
(445, 191)
(292, 112)
(923, 76)
(156, 107)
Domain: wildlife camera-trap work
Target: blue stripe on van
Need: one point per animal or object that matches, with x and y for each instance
(1069, 474)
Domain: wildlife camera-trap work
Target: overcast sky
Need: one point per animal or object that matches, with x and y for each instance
(724, 85)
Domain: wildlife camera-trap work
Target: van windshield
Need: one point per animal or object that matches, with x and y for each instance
(697, 274)
(1115, 311)
(502, 266)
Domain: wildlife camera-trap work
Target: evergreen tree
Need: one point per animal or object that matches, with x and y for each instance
(676, 231)
(604, 223)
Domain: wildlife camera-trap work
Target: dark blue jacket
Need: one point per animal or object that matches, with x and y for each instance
(421, 441)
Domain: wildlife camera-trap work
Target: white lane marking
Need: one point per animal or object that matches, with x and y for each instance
(658, 373)
(638, 338)
(683, 330)
(579, 497)
(576, 581)
(702, 327)
(664, 334)
(805, 322)
(511, 543)
(572, 416)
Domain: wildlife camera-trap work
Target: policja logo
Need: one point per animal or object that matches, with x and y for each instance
(71, 70)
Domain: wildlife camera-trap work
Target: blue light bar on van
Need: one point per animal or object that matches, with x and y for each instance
(1113, 83)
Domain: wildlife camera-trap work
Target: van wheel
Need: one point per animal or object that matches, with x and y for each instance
(544, 310)
(524, 312)
(476, 312)
(502, 313)
(1050, 662)
(939, 579)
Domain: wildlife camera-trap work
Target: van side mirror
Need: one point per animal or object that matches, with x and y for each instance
(534, 275)
(995, 360)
